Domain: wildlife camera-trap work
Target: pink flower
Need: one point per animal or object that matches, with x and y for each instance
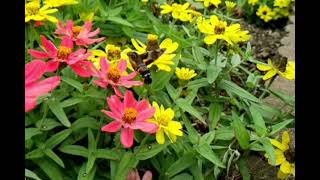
(34, 87)
(115, 76)
(81, 35)
(128, 116)
(64, 53)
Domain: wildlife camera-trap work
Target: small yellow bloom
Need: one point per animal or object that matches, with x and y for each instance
(164, 119)
(230, 5)
(253, 2)
(86, 16)
(33, 11)
(281, 3)
(216, 29)
(273, 69)
(179, 11)
(164, 61)
(185, 73)
(265, 13)
(58, 3)
(207, 3)
(284, 156)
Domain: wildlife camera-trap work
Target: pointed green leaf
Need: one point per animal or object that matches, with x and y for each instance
(277, 127)
(58, 111)
(71, 101)
(268, 147)
(127, 162)
(52, 170)
(235, 89)
(206, 151)
(31, 174)
(240, 131)
(192, 133)
(56, 139)
(150, 150)
(83, 175)
(107, 154)
(181, 164)
(73, 83)
(215, 110)
(119, 20)
(30, 132)
(75, 150)
(213, 72)
(259, 123)
(54, 157)
(190, 109)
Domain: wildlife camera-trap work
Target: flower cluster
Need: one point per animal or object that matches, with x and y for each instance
(208, 3)
(180, 11)
(279, 9)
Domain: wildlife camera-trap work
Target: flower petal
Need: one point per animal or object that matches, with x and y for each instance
(49, 46)
(160, 137)
(278, 144)
(30, 103)
(285, 167)
(129, 100)
(52, 66)
(114, 126)
(122, 65)
(281, 175)
(83, 68)
(146, 114)
(269, 74)
(127, 136)
(174, 128)
(34, 70)
(145, 126)
(112, 115)
(263, 67)
(42, 87)
(115, 105)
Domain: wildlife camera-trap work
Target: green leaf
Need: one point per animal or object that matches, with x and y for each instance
(73, 83)
(75, 150)
(240, 131)
(54, 157)
(71, 101)
(213, 72)
(174, 93)
(244, 170)
(181, 164)
(91, 160)
(127, 162)
(182, 176)
(85, 122)
(83, 175)
(284, 97)
(196, 171)
(119, 21)
(31, 174)
(268, 147)
(215, 110)
(224, 133)
(47, 124)
(107, 154)
(259, 123)
(190, 109)
(235, 89)
(160, 79)
(114, 12)
(252, 80)
(92, 145)
(192, 133)
(37, 153)
(52, 170)
(277, 127)
(30, 132)
(150, 150)
(198, 83)
(235, 60)
(198, 56)
(208, 137)
(206, 151)
(56, 139)
(57, 110)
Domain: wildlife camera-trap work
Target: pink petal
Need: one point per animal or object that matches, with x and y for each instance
(112, 115)
(34, 70)
(130, 76)
(127, 136)
(93, 33)
(142, 105)
(49, 46)
(78, 55)
(147, 175)
(122, 65)
(67, 42)
(129, 100)
(30, 103)
(87, 26)
(129, 84)
(42, 87)
(104, 66)
(52, 66)
(145, 126)
(146, 114)
(112, 127)
(115, 105)
(83, 68)
(101, 83)
(38, 54)
(117, 91)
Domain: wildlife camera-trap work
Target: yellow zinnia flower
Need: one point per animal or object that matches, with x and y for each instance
(288, 71)
(164, 119)
(284, 156)
(164, 61)
(185, 73)
(179, 11)
(265, 13)
(216, 29)
(230, 5)
(207, 3)
(281, 3)
(253, 2)
(58, 3)
(33, 11)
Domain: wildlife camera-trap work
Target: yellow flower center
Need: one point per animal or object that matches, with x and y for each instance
(76, 30)
(64, 52)
(114, 74)
(32, 9)
(219, 28)
(130, 115)
(114, 54)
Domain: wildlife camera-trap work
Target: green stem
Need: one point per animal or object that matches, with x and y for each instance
(142, 143)
(270, 83)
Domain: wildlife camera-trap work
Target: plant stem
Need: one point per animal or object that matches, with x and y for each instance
(270, 83)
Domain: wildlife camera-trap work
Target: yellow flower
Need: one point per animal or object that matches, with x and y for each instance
(281, 3)
(253, 2)
(207, 3)
(288, 71)
(164, 119)
(58, 3)
(185, 73)
(280, 12)
(164, 61)
(216, 29)
(265, 13)
(284, 156)
(179, 11)
(144, 1)
(33, 11)
(230, 5)
(86, 16)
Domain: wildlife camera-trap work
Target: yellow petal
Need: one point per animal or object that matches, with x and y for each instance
(263, 67)
(285, 167)
(141, 48)
(210, 39)
(279, 145)
(160, 137)
(285, 138)
(270, 74)
(174, 128)
(170, 47)
(280, 158)
(281, 175)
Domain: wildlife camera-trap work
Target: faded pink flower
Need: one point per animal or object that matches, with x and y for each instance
(34, 87)
(115, 76)
(64, 53)
(80, 35)
(134, 175)
(128, 116)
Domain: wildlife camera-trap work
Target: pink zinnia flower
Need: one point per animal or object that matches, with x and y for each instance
(115, 76)
(34, 87)
(64, 53)
(81, 35)
(129, 115)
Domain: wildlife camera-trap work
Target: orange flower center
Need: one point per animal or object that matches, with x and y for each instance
(114, 74)
(64, 52)
(130, 115)
(219, 29)
(76, 30)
